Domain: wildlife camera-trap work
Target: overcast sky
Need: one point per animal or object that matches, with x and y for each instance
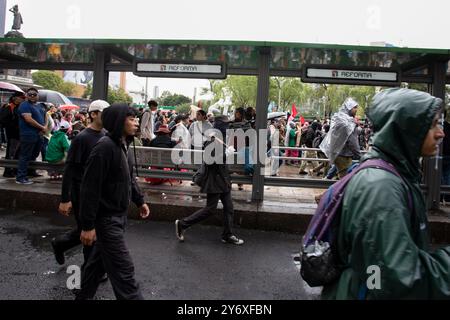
(411, 23)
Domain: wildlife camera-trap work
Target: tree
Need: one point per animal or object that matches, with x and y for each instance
(287, 91)
(241, 89)
(118, 95)
(314, 100)
(67, 88)
(88, 91)
(183, 108)
(51, 81)
(114, 95)
(169, 99)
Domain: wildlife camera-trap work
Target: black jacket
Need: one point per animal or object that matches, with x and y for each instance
(79, 151)
(11, 121)
(163, 141)
(218, 178)
(108, 183)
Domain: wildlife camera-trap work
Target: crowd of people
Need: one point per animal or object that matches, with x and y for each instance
(36, 129)
(99, 182)
(43, 129)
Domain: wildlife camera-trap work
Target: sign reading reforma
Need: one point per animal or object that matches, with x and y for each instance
(361, 75)
(179, 70)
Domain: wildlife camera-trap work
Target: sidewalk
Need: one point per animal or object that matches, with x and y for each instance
(200, 268)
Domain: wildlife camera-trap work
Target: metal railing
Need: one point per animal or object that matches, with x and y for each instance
(295, 182)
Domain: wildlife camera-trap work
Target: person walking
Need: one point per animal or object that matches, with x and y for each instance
(217, 185)
(383, 221)
(341, 144)
(147, 125)
(108, 186)
(78, 154)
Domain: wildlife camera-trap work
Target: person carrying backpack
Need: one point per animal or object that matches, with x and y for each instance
(379, 235)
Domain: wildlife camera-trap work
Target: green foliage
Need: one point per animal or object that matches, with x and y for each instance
(311, 99)
(242, 90)
(67, 88)
(169, 99)
(114, 95)
(51, 81)
(183, 108)
(88, 91)
(118, 95)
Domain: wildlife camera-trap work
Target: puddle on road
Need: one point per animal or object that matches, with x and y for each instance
(40, 240)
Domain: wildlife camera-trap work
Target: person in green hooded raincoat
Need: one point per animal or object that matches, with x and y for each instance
(377, 230)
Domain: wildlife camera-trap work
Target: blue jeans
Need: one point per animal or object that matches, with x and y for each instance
(30, 146)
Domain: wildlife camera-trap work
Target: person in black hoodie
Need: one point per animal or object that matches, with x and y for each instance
(77, 157)
(107, 187)
(217, 186)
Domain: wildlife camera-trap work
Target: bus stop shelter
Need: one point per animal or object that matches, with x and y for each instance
(313, 63)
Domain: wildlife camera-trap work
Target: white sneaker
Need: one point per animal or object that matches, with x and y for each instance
(233, 240)
(179, 231)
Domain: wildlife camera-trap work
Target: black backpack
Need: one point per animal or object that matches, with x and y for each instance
(317, 141)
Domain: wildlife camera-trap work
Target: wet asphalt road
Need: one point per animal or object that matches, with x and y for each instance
(263, 268)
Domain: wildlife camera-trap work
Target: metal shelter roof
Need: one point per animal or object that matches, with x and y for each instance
(240, 57)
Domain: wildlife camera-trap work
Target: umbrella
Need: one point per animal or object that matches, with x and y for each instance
(273, 115)
(9, 87)
(69, 107)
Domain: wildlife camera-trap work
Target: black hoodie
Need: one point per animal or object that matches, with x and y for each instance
(108, 183)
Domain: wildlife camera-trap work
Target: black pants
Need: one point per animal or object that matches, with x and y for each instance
(71, 239)
(12, 153)
(110, 254)
(212, 200)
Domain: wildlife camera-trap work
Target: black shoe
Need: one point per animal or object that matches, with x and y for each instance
(179, 231)
(35, 175)
(59, 255)
(9, 175)
(233, 240)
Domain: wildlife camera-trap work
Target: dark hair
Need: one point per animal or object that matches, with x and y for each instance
(32, 89)
(131, 112)
(202, 112)
(90, 114)
(240, 110)
(16, 95)
(249, 113)
(181, 117)
(152, 103)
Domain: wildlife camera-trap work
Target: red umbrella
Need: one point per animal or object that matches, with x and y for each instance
(69, 107)
(9, 86)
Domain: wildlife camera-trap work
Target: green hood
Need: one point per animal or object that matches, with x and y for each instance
(401, 119)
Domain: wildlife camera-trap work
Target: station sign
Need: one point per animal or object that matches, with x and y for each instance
(197, 69)
(335, 75)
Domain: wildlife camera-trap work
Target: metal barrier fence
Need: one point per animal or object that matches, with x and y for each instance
(157, 153)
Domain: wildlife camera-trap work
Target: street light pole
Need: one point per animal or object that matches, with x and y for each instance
(146, 90)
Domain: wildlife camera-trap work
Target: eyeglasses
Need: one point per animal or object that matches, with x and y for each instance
(32, 94)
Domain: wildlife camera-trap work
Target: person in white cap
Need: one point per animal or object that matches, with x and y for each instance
(79, 152)
(341, 143)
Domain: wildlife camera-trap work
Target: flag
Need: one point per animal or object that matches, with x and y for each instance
(302, 120)
(294, 110)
